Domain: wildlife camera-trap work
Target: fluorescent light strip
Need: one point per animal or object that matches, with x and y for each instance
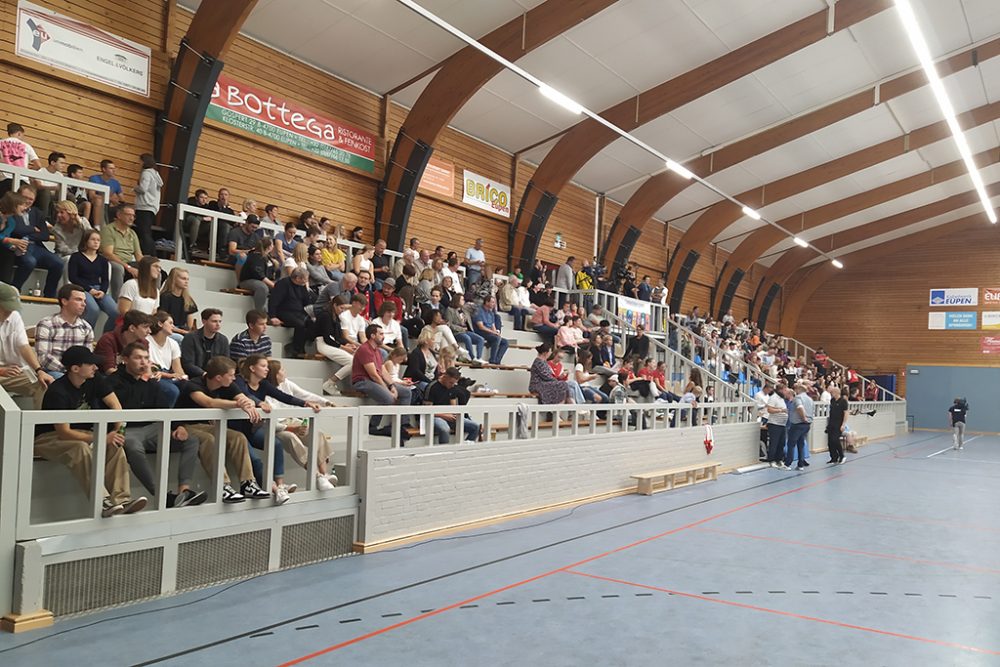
(569, 104)
(837, 263)
(916, 36)
(801, 242)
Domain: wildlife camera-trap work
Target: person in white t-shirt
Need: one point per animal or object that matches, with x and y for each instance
(777, 418)
(143, 293)
(475, 261)
(20, 372)
(164, 351)
(17, 152)
(352, 324)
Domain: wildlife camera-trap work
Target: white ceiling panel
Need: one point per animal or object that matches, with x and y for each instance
(683, 223)
(943, 24)
(860, 131)
(919, 108)
(989, 71)
(671, 137)
(731, 112)
(983, 17)
(789, 158)
(980, 138)
(883, 42)
(738, 23)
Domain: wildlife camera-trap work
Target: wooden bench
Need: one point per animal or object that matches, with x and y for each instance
(495, 367)
(647, 480)
(502, 394)
(236, 290)
(565, 423)
(27, 298)
(217, 265)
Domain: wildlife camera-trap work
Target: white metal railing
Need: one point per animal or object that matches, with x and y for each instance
(22, 460)
(20, 174)
(798, 349)
(712, 354)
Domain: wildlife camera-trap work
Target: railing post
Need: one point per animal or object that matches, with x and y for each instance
(11, 447)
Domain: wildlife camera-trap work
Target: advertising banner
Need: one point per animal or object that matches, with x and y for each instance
(486, 194)
(991, 295)
(966, 296)
(991, 320)
(990, 344)
(634, 311)
(74, 46)
(962, 320)
(271, 116)
(439, 177)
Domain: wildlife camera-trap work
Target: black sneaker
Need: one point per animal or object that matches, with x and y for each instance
(231, 495)
(111, 509)
(135, 505)
(252, 490)
(189, 497)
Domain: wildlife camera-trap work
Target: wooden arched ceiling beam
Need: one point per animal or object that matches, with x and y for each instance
(588, 137)
(795, 257)
(196, 68)
(812, 278)
(661, 188)
(718, 217)
(458, 79)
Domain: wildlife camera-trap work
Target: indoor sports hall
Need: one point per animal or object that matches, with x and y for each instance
(499, 332)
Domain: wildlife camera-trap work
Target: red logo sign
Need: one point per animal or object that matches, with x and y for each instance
(991, 295)
(990, 344)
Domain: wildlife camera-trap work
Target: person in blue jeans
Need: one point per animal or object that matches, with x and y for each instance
(459, 325)
(443, 392)
(31, 226)
(800, 417)
(487, 324)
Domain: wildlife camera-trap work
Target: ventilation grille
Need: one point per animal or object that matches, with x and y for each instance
(105, 581)
(218, 559)
(314, 541)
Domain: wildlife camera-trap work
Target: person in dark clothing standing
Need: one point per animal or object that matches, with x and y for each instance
(957, 413)
(835, 424)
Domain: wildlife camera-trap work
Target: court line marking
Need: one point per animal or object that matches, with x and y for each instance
(856, 552)
(892, 517)
(789, 614)
(950, 448)
(455, 605)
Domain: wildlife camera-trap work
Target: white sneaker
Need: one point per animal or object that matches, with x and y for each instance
(463, 355)
(281, 495)
(323, 484)
(330, 387)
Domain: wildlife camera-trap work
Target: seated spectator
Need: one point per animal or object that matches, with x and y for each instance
(575, 392)
(69, 228)
(78, 194)
(391, 367)
(358, 235)
(459, 323)
(352, 323)
(443, 392)
(249, 208)
(100, 207)
(569, 336)
(143, 293)
(136, 390)
(331, 343)
(252, 340)
(12, 205)
(345, 286)
(67, 328)
(392, 333)
(318, 276)
(363, 260)
(82, 388)
(257, 274)
(164, 350)
(442, 332)
(20, 372)
(513, 299)
(193, 221)
(541, 320)
(285, 244)
(298, 258)
(271, 215)
(588, 381)
(333, 258)
(659, 381)
(214, 389)
(365, 288)
(240, 240)
(425, 284)
(48, 191)
(120, 246)
(203, 344)
(254, 384)
(388, 295)
(90, 269)
(422, 363)
(147, 202)
(135, 327)
(221, 203)
(31, 227)
(366, 378)
(290, 431)
(289, 306)
(380, 264)
(543, 384)
(487, 324)
(176, 299)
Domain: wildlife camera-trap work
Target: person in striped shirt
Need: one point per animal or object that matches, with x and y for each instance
(252, 341)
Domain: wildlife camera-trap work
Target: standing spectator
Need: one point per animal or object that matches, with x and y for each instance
(135, 327)
(106, 177)
(68, 228)
(957, 413)
(565, 279)
(799, 420)
(257, 273)
(147, 202)
(443, 392)
(475, 262)
(366, 376)
(760, 403)
(487, 323)
(17, 152)
(20, 372)
(120, 244)
(143, 293)
(550, 389)
(638, 345)
(836, 423)
(253, 340)
(81, 388)
(777, 420)
(57, 333)
(90, 270)
(644, 290)
(203, 344)
(287, 307)
(136, 390)
(32, 227)
(176, 299)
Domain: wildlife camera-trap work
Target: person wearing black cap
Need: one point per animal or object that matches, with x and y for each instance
(443, 392)
(20, 372)
(83, 388)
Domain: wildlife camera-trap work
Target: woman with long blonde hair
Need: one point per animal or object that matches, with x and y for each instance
(69, 228)
(176, 299)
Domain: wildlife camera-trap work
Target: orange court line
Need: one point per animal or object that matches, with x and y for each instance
(856, 552)
(415, 619)
(778, 612)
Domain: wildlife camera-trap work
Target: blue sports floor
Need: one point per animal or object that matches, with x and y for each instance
(892, 559)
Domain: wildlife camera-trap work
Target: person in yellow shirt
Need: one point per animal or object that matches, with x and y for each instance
(333, 258)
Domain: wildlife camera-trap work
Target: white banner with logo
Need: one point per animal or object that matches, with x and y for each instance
(78, 47)
(634, 311)
(485, 193)
(965, 296)
(991, 320)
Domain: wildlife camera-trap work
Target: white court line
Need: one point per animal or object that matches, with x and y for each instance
(948, 449)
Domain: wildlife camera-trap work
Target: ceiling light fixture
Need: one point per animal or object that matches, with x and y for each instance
(916, 36)
(837, 263)
(801, 242)
(577, 108)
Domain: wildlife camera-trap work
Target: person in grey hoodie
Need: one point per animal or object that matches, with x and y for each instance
(147, 202)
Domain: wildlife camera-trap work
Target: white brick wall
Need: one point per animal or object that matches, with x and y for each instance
(409, 492)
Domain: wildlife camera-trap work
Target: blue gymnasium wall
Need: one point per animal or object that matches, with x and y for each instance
(934, 388)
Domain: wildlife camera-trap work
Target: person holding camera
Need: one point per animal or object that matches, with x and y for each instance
(956, 413)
